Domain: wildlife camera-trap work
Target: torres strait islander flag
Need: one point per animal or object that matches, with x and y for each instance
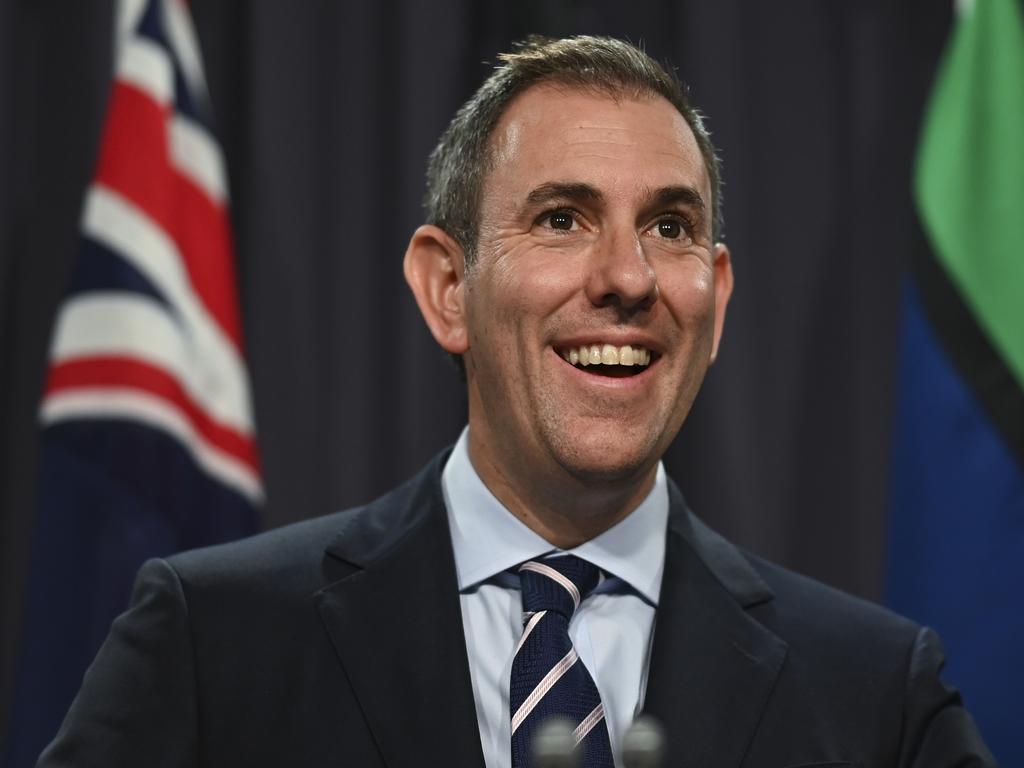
(956, 557)
(148, 441)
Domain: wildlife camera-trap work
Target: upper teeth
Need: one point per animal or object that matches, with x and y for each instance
(607, 354)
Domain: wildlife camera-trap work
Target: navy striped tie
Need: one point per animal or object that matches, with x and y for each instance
(548, 679)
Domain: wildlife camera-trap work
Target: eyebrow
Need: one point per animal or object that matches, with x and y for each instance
(669, 196)
(546, 193)
(662, 198)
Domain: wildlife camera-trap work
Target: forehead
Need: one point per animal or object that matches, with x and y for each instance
(557, 133)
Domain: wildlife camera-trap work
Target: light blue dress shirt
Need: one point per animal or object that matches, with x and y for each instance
(612, 630)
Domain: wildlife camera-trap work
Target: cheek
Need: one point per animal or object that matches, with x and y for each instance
(531, 283)
(553, 281)
(503, 268)
(689, 294)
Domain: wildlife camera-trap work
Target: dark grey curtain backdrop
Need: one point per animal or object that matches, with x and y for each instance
(327, 111)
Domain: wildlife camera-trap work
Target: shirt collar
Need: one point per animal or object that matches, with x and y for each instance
(488, 539)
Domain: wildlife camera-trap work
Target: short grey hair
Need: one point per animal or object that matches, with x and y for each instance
(460, 162)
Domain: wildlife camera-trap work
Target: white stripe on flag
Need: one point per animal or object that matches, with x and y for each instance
(146, 66)
(588, 723)
(115, 222)
(102, 402)
(128, 14)
(182, 38)
(543, 687)
(135, 326)
(555, 576)
(197, 156)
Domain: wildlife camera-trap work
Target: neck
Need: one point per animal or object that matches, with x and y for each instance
(563, 509)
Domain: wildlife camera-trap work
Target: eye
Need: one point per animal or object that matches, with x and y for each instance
(672, 228)
(562, 220)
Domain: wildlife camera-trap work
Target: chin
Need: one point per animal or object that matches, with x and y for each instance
(607, 459)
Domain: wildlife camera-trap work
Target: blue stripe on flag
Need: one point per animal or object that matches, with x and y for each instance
(111, 495)
(957, 532)
(151, 26)
(100, 269)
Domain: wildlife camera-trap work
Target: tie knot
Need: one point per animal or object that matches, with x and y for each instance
(557, 583)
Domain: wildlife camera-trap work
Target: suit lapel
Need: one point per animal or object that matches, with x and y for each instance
(396, 624)
(712, 665)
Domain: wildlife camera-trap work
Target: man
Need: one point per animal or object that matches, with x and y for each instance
(572, 265)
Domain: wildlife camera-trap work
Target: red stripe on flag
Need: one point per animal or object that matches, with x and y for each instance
(135, 161)
(111, 371)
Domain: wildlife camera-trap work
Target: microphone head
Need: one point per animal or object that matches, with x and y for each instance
(554, 745)
(643, 745)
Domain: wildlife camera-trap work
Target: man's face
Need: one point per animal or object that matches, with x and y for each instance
(595, 235)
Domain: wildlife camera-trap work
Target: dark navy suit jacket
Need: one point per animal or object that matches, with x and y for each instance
(338, 642)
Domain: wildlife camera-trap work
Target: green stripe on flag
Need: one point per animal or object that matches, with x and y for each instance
(970, 171)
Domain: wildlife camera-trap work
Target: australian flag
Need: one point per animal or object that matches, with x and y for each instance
(956, 547)
(148, 441)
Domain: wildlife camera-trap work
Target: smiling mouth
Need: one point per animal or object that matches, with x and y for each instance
(608, 359)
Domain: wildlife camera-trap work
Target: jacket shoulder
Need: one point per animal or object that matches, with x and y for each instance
(812, 616)
(284, 554)
(310, 554)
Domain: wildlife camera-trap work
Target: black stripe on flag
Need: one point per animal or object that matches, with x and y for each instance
(969, 349)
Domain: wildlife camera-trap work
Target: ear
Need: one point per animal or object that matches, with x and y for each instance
(723, 290)
(435, 270)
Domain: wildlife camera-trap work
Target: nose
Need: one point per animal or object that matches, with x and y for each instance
(620, 274)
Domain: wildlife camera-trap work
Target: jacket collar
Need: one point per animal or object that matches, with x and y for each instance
(396, 625)
(713, 666)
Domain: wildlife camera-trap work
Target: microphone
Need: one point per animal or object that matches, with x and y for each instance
(554, 745)
(643, 745)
